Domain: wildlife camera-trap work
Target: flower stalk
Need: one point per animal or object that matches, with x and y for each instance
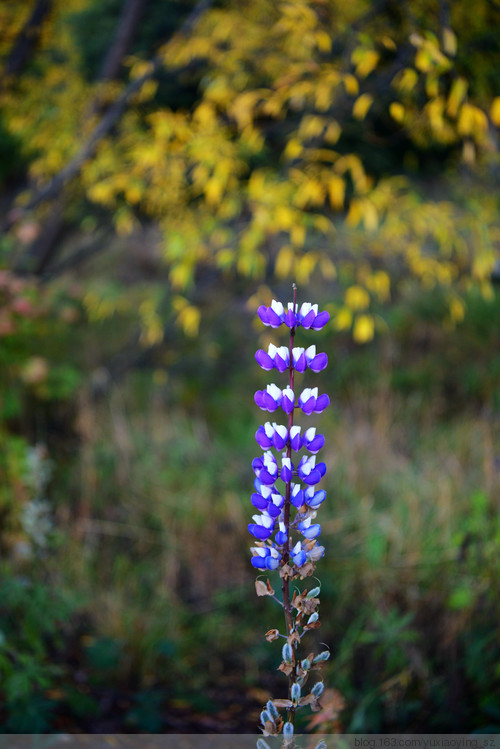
(292, 509)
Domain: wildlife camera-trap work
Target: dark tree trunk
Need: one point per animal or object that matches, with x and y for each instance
(27, 39)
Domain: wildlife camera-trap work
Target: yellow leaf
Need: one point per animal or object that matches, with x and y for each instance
(304, 266)
(357, 298)
(180, 276)
(343, 319)
(336, 191)
(323, 41)
(189, 320)
(449, 42)
(407, 80)
(457, 310)
(355, 213)
(298, 235)
(213, 191)
(224, 258)
(495, 111)
(351, 84)
(285, 262)
(397, 111)
(370, 216)
(472, 121)
(361, 106)
(333, 133)
(380, 283)
(327, 268)
(367, 63)
(293, 148)
(456, 96)
(364, 329)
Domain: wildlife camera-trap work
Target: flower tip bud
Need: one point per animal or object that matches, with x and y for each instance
(321, 745)
(271, 709)
(265, 717)
(313, 593)
(287, 652)
(295, 693)
(317, 689)
(324, 656)
(306, 664)
(313, 618)
(288, 730)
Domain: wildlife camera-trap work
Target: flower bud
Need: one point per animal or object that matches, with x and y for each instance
(313, 618)
(265, 717)
(317, 689)
(313, 593)
(322, 656)
(287, 652)
(271, 709)
(321, 745)
(295, 693)
(288, 730)
(306, 664)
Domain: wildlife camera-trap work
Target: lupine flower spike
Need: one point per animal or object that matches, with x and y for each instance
(287, 500)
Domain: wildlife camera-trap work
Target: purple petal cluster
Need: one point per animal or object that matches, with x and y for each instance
(308, 401)
(279, 358)
(272, 526)
(307, 316)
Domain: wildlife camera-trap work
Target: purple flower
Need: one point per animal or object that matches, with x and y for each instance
(310, 402)
(265, 558)
(278, 358)
(309, 530)
(262, 527)
(304, 358)
(266, 468)
(307, 316)
(286, 470)
(309, 472)
(272, 435)
(312, 441)
(295, 438)
(282, 535)
(269, 399)
(299, 556)
(313, 498)
(297, 495)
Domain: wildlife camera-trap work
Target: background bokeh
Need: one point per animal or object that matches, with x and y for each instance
(167, 166)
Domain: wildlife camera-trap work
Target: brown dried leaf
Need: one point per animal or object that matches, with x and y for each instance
(262, 589)
(287, 571)
(313, 625)
(307, 570)
(269, 728)
(282, 703)
(309, 605)
(287, 668)
(269, 588)
(293, 637)
(272, 634)
(307, 700)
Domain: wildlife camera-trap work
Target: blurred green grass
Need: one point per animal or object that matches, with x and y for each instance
(145, 575)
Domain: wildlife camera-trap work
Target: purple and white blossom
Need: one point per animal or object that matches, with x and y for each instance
(307, 316)
(284, 528)
(310, 402)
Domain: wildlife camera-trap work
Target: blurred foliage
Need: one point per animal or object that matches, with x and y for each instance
(356, 143)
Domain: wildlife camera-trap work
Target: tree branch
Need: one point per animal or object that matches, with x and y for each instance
(27, 39)
(108, 121)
